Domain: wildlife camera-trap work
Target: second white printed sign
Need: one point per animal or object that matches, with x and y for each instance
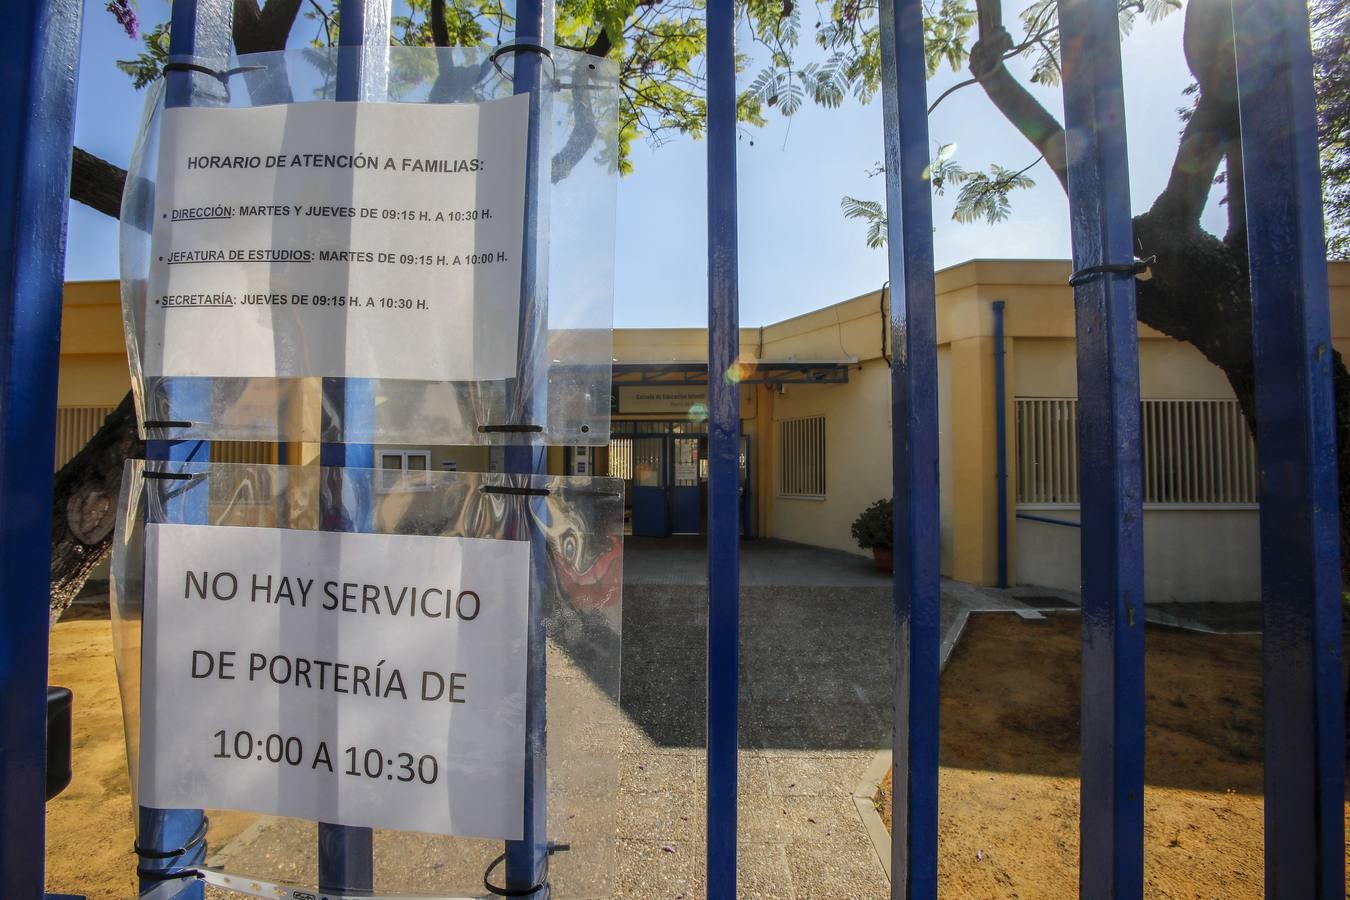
(360, 679)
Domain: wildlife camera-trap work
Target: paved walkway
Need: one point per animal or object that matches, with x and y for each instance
(815, 688)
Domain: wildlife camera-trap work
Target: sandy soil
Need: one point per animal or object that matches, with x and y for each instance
(90, 829)
(1009, 791)
(1008, 787)
(91, 826)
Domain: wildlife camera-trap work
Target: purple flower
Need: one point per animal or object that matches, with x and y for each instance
(125, 16)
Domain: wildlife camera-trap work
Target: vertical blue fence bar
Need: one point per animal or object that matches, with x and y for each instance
(914, 451)
(200, 32)
(1111, 855)
(1001, 440)
(1296, 449)
(346, 853)
(724, 447)
(527, 859)
(39, 52)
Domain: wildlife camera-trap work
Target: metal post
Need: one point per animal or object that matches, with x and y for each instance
(39, 54)
(914, 449)
(200, 31)
(724, 446)
(1296, 448)
(346, 853)
(1001, 441)
(527, 859)
(1111, 859)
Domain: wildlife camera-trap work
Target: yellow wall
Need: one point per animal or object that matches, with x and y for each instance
(1039, 327)
(857, 456)
(93, 350)
(467, 459)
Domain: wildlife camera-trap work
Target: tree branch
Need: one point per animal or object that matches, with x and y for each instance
(1202, 149)
(440, 32)
(1213, 131)
(84, 495)
(258, 30)
(1016, 103)
(96, 183)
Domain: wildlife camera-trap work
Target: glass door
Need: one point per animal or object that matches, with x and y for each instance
(688, 482)
(649, 487)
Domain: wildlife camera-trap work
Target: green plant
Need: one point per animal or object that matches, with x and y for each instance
(872, 528)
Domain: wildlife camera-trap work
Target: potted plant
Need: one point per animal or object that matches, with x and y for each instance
(872, 531)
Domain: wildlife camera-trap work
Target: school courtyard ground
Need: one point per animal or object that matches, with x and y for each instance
(815, 687)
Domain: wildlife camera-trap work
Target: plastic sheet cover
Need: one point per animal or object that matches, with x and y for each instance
(570, 529)
(552, 387)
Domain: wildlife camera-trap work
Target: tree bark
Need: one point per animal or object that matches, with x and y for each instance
(96, 183)
(84, 504)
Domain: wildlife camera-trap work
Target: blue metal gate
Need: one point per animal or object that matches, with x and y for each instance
(1304, 760)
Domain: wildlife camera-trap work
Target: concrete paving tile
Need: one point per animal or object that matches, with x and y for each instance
(656, 870)
(824, 819)
(663, 816)
(762, 871)
(828, 686)
(834, 727)
(815, 776)
(835, 869)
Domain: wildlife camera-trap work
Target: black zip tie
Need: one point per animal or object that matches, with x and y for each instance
(1138, 267)
(517, 892)
(514, 491)
(510, 429)
(197, 838)
(221, 75)
(169, 476)
(167, 423)
(155, 875)
(521, 47)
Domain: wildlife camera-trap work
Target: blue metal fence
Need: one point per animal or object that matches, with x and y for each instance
(724, 447)
(1296, 452)
(1111, 855)
(347, 853)
(39, 52)
(1299, 504)
(200, 34)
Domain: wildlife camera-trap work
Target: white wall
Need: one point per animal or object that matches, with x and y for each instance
(1189, 554)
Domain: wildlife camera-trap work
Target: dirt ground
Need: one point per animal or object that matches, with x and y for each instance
(90, 829)
(1008, 791)
(91, 825)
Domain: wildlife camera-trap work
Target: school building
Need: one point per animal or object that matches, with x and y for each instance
(816, 420)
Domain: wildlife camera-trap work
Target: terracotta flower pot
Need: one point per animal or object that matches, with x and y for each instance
(882, 557)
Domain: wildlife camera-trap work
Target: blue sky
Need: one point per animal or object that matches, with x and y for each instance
(797, 252)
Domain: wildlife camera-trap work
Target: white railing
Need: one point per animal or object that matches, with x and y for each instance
(1195, 453)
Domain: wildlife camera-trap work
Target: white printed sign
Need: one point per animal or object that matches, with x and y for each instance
(677, 399)
(365, 240)
(359, 679)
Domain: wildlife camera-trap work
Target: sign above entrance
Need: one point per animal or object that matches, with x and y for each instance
(684, 400)
(360, 679)
(363, 240)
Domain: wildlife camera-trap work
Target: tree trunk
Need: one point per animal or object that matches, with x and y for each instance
(84, 504)
(1199, 293)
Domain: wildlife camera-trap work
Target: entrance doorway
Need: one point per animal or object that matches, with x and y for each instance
(664, 466)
